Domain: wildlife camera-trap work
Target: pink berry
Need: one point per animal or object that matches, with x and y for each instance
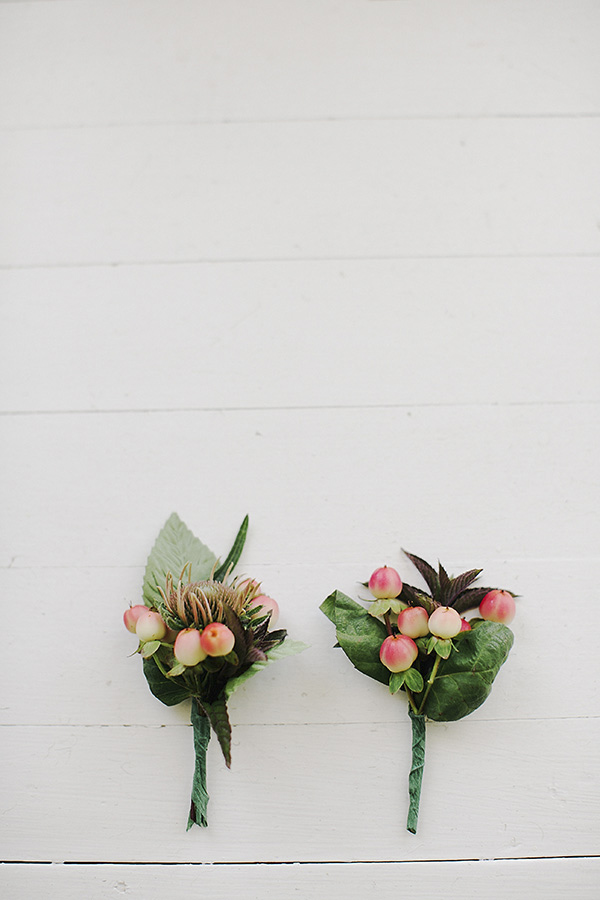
(414, 622)
(150, 626)
(131, 615)
(398, 653)
(445, 622)
(188, 647)
(464, 625)
(217, 639)
(268, 606)
(385, 583)
(498, 606)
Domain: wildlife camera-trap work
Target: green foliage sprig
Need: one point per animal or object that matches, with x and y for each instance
(451, 674)
(187, 590)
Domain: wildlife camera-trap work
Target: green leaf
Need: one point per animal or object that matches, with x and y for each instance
(397, 606)
(235, 552)
(167, 690)
(397, 679)
(177, 669)
(288, 648)
(218, 717)
(464, 680)
(174, 547)
(380, 607)
(149, 649)
(443, 648)
(414, 680)
(359, 635)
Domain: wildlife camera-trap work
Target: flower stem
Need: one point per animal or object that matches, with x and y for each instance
(388, 624)
(430, 681)
(413, 705)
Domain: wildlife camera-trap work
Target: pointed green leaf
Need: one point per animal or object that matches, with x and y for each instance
(175, 546)
(464, 680)
(234, 554)
(218, 717)
(359, 635)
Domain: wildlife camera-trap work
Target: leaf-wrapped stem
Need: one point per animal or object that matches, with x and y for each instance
(199, 802)
(415, 778)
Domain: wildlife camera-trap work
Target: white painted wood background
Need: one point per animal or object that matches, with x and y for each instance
(334, 263)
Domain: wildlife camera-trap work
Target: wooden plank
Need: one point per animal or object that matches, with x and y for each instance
(299, 191)
(176, 60)
(325, 486)
(549, 879)
(305, 793)
(390, 331)
(82, 671)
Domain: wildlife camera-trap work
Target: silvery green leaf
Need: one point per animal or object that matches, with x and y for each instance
(173, 549)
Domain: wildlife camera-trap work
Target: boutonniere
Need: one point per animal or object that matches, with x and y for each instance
(420, 645)
(201, 634)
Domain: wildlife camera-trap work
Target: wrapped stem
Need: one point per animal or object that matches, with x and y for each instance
(415, 777)
(199, 803)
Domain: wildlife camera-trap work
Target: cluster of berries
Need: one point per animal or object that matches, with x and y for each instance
(399, 651)
(191, 646)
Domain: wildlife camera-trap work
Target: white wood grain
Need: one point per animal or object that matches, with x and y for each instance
(174, 60)
(325, 333)
(303, 793)
(550, 879)
(326, 486)
(83, 653)
(299, 190)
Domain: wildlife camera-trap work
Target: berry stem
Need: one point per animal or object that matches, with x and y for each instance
(413, 705)
(430, 681)
(388, 624)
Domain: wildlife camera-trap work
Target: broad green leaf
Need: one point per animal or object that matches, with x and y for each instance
(234, 554)
(359, 635)
(464, 680)
(174, 547)
(288, 648)
(167, 690)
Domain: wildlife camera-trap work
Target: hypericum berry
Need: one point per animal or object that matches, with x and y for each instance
(464, 625)
(385, 583)
(131, 615)
(217, 639)
(188, 648)
(268, 606)
(398, 653)
(498, 606)
(414, 622)
(445, 622)
(150, 626)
